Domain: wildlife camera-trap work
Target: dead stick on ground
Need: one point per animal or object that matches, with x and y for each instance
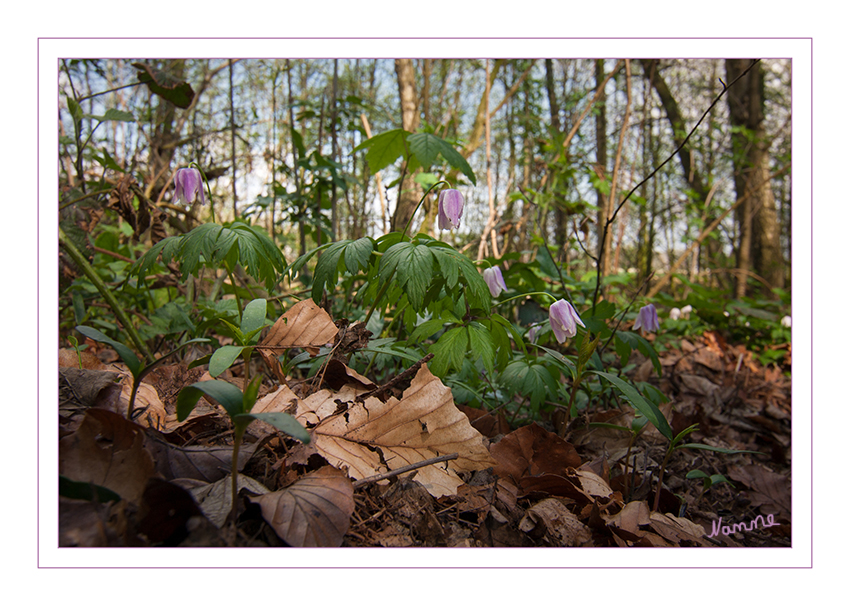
(405, 469)
(395, 380)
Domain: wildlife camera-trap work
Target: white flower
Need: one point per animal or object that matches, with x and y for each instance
(686, 311)
(675, 313)
(786, 322)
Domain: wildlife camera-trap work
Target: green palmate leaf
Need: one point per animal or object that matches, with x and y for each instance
(223, 357)
(501, 341)
(226, 394)
(213, 245)
(358, 254)
(449, 350)
(481, 344)
(127, 356)
(425, 147)
(647, 409)
(384, 149)
(530, 379)
(282, 421)
(414, 265)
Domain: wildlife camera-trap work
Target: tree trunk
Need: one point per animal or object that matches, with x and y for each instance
(759, 229)
(410, 192)
(601, 166)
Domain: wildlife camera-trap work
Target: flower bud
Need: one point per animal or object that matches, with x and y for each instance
(189, 186)
(495, 281)
(647, 319)
(563, 319)
(450, 208)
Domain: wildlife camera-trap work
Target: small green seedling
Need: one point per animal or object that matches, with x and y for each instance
(246, 335)
(708, 481)
(130, 359)
(238, 406)
(676, 444)
(77, 348)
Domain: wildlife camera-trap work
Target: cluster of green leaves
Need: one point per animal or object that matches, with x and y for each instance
(213, 245)
(752, 321)
(420, 149)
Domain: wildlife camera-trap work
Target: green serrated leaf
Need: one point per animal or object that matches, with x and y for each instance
(384, 149)
(358, 254)
(481, 343)
(449, 351)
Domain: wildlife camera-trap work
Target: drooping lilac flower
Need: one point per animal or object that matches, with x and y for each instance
(531, 335)
(495, 281)
(189, 186)
(450, 208)
(647, 319)
(563, 319)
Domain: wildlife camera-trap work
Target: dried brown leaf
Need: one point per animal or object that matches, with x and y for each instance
(314, 512)
(107, 450)
(373, 437)
(305, 324)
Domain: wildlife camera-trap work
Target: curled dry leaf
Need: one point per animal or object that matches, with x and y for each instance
(315, 511)
(373, 437)
(207, 463)
(305, 325)
(551, 519)
(107, 450)
(216, 499)
(677, 530)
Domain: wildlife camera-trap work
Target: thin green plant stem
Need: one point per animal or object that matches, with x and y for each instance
(235, 292)
(104, 291)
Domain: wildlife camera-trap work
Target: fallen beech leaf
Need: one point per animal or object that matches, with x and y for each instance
(551, 519)
(634, 515)
(590, 483)
(533, 451)
(305, 325)
(216, 499)
(207, 463)
(315, 511)
(676, 529)
(373, 437)
(147, 398)
(107, 450)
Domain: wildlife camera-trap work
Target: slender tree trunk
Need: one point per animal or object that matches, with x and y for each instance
(759, 228)
(410, 192)
(601, 166)
(232, 140)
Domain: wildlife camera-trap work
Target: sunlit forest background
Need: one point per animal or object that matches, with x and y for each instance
(555, 145)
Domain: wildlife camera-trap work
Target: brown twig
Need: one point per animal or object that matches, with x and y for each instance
(405, 469)
(395, 380)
